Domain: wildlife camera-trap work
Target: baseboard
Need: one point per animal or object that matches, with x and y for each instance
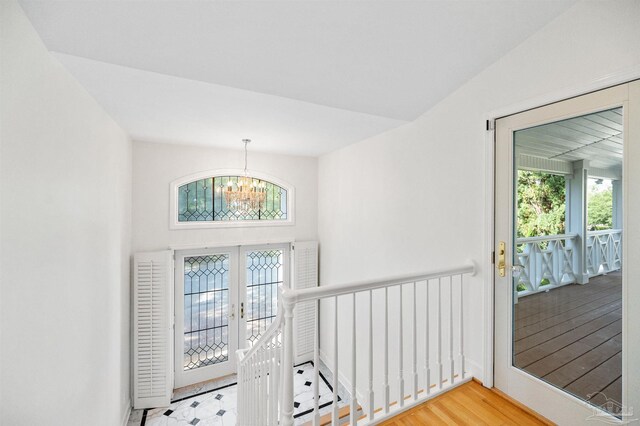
(523, 407)
(346, 383)
(127, 414)
(474, 369)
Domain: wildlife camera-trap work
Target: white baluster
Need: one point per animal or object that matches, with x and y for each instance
(439, 326)
(354, 396)
(461, 321)
(371, 400)
(451, 365)
(279, 369)
(335, 417)
(286, 418)
(386, 350)
(427, 369)
(253, 389)
(259, 384)
(401, 354)
(240, 396)
(415, 346)
(316, 367)
(271, 380)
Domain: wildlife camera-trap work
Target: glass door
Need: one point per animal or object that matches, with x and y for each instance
(225, 298)
(561, 234)
(206, 325)
(264, 269)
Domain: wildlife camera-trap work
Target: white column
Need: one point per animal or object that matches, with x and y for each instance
(576, 218)
(617, 204)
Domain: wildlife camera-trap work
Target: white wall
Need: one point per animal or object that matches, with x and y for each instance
(156, 165)
(413, 199)
(65, 223)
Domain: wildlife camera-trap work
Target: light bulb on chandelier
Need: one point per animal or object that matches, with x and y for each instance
(247, 194)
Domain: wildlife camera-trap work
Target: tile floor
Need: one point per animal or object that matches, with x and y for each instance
(214, 402)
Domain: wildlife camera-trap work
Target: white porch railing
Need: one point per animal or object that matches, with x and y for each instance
(545, 258)
(430, 329)
(550, 261)
(604, 251)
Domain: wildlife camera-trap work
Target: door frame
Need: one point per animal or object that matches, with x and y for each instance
(236, 296)
(487, 264)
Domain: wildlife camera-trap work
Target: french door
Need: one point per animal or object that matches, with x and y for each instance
(565, 339)
(225, 298)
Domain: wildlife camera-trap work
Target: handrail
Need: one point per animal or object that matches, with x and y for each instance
(273, 328)
(556, 237)
(604, 232)
(297, 296)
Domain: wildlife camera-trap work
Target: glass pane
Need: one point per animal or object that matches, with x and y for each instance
(206, 304)
(205, 200)
(265, 272)
(567, 310)
(195, 201)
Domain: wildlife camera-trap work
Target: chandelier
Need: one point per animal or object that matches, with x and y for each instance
(247, 194)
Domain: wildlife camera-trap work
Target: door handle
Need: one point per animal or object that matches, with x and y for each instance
(502, 266)
(232, 312)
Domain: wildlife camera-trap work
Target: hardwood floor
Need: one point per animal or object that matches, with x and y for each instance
(571, 336)
(468, 404)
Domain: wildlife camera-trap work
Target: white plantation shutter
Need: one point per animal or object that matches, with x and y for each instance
(305, 275)
(152, 329)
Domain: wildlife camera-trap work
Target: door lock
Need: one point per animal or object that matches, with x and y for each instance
(502, 267)
(242, 310)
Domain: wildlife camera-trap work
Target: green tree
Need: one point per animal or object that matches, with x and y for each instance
(600, 209)
(541, 204)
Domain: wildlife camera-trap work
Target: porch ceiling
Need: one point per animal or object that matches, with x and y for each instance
(595, 137)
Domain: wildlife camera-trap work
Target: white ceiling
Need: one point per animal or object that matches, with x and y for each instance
(303, 77)
(595, 137)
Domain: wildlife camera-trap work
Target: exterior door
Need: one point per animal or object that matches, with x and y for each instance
(263, 270)
(548, 399)
(206, 323)
(225, 298)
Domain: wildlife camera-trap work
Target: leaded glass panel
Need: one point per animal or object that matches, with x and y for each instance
(206, 308)
(204, 201)
(265, 272)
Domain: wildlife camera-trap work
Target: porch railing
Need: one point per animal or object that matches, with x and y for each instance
(550, 261)
(545, 261)
(604, 251)
(417, 322)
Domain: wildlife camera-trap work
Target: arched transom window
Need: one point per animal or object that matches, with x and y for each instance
(203, 201)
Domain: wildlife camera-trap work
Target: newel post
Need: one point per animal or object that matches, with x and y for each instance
(286, 413)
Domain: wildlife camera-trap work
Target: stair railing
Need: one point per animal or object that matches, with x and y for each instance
(259, 378)
(426, 312)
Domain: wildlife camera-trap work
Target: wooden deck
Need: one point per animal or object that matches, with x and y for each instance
(468, 404)
(571, 337)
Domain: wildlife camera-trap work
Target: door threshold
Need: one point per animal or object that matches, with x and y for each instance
(204, 387)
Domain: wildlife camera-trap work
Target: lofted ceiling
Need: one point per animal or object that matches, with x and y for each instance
(595, 137)
(303, 77)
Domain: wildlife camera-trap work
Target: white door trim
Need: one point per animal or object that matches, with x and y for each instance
(603, 82)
